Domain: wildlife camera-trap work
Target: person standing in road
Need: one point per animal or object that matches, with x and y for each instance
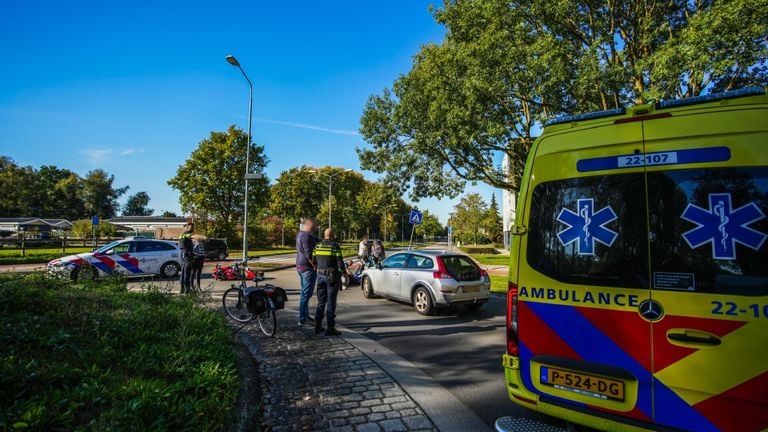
(187, 254)
(330, 266)
(198, 259)
(305, 266)
(377, 252)
(363, 253)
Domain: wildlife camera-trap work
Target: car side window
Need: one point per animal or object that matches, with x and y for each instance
(123, 248)
(395, 261)
(156, 246)
(419, 262)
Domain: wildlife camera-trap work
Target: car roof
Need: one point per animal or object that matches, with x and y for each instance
(432, 252)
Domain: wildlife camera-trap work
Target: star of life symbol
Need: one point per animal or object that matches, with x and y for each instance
(723, 226)
(586, 226)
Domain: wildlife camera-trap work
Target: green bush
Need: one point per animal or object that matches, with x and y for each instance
(480, 249)
(97, 357)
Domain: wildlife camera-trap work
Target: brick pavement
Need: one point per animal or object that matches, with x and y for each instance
(318, 383)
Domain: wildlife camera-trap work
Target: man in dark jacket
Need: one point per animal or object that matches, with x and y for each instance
(305, 266)
(187, 254)
(330, 266)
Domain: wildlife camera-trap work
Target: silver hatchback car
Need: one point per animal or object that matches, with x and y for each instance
(428, 279)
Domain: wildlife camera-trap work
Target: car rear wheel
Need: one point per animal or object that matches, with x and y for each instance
(367, 287)
(169, 270)
(422, 301)
(222, 256)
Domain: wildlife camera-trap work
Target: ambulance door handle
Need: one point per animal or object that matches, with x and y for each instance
(687, 337)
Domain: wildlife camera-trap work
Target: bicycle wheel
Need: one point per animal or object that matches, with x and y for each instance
(268, 322)
(235, 305)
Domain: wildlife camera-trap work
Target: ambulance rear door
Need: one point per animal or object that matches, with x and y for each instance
(583, 273)
(708, 201)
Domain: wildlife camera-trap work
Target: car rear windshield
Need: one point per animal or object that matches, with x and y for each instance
(461, 268)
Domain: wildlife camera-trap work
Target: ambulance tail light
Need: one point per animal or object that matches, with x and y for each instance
(513, 347)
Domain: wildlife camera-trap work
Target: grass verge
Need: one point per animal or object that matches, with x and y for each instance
(36, 256)
(499, 284)
(498, 259)
(96, 357)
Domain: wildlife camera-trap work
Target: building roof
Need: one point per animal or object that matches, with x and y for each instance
(145, 219)
(29, 221)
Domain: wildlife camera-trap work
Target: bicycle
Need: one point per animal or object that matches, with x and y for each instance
(245, 304)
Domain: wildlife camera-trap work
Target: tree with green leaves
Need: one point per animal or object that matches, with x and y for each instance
(100, 195)
(506, 66)
(211, 181)
(296, 194)
(469, 216)
(493, 223)
(15, 183)
(136, 205)
(430, 225)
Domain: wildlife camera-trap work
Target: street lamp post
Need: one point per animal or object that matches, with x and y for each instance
(385, 220)
(233, 61)
(330, 188)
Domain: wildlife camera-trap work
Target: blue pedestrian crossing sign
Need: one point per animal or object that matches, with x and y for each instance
(450, 230)
(94, 220)
(415, 217)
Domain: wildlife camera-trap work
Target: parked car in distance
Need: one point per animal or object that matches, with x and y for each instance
(216, 249)
(132, 256)
(428, 279)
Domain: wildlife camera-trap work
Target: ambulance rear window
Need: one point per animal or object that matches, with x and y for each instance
(710, 230)
(590, 231)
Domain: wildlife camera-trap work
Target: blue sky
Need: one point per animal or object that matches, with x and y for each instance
(132, 87)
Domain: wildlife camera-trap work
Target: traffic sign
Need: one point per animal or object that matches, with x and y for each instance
(415, 217)
(94, 220)
(450, 230)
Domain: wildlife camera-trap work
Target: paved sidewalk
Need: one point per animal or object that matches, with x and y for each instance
(325, 383)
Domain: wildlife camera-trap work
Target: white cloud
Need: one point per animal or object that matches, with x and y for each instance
(310, 127)
(99, 155)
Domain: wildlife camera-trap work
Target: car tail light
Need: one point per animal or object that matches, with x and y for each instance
(483, 273)
(442, 272)
(513, 346)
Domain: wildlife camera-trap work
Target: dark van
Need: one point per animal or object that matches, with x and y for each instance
(216, 249)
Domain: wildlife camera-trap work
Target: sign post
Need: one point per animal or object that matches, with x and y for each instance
(94, 224)
(450, 238)
(414, 219)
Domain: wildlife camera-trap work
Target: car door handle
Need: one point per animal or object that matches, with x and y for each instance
(687, 337)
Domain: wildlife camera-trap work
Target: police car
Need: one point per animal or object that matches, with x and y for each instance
(132, 256)
(638, 293)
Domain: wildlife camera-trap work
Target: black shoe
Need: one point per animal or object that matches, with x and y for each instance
(319, 329)
(332, 332)
(310, 319)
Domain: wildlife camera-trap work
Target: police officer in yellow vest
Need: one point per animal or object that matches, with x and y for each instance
(330, 266)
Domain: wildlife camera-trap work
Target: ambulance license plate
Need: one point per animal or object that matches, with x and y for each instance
(589, 385)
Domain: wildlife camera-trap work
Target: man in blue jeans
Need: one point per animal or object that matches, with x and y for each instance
(306, 267)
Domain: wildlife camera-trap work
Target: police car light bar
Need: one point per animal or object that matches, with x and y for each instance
(731, 94)
(586, 116)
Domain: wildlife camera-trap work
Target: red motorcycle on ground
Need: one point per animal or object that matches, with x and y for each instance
(232, 272)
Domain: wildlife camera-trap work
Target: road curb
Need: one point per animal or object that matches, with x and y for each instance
(443, 408)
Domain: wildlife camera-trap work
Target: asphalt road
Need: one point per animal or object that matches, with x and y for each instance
(459, 349)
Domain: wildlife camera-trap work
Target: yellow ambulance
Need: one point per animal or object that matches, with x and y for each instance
(638, 281)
